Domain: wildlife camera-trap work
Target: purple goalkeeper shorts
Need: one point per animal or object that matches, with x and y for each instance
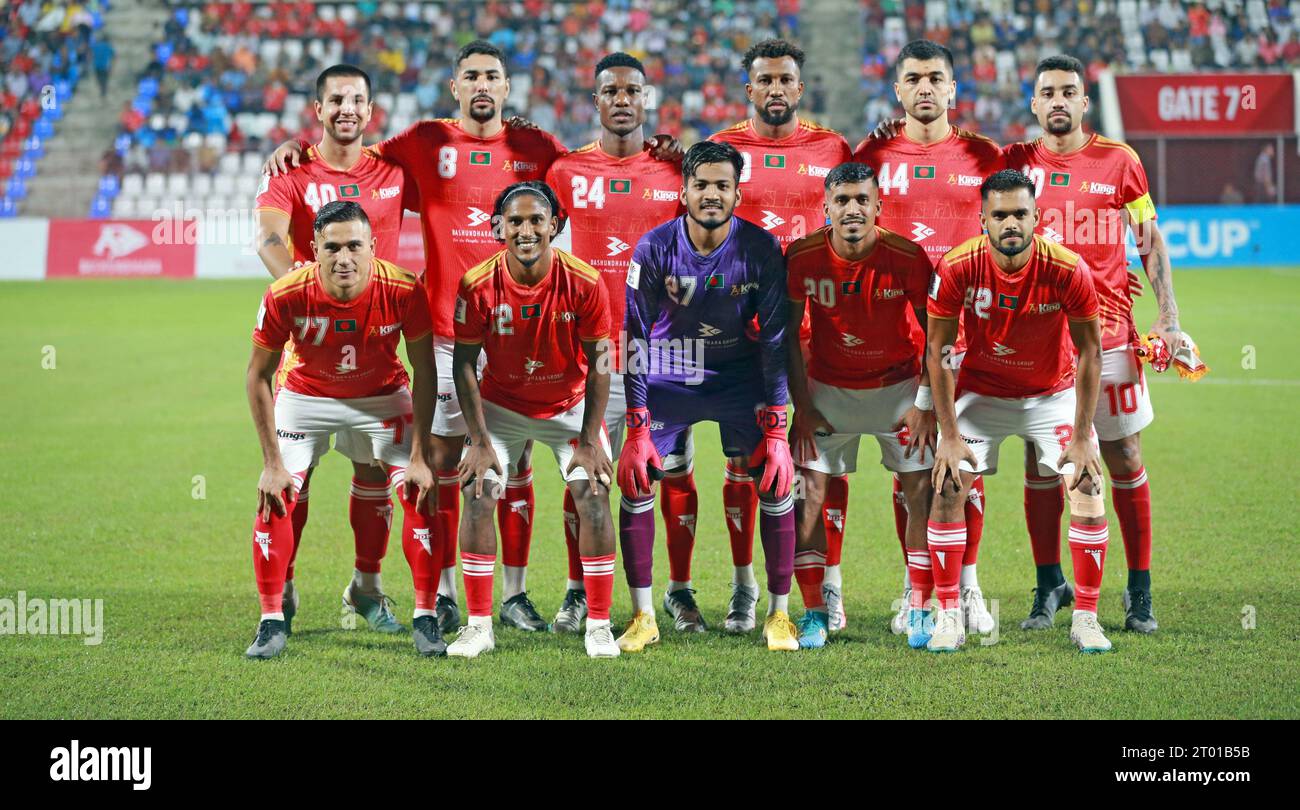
(732, 402)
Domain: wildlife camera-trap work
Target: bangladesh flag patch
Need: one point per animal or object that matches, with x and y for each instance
(1059, 179)
(480, 158)
(714, 282)
(350, 190)
(774, 161)
(620, 186)
(349, 325)
(530, 311)
(1008, 301)
(850, 287)
(922, 172)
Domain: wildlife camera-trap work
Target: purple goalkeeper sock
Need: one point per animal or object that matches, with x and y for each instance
(636, 535)
(776, 527)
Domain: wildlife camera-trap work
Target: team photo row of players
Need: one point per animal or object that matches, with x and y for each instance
(928, 288)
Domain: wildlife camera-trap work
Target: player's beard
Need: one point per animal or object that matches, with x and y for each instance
(482, 116)
(777, 119)
(1060, 126)
(928, 116)
(1013, 251)
(712, 226)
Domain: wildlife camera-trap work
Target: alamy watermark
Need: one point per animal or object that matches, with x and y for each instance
(52, 617)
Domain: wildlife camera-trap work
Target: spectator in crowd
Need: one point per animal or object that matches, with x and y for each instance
(102, 55)
(1265, 175)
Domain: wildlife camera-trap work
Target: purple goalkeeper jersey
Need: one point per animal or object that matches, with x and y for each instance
(688, 316)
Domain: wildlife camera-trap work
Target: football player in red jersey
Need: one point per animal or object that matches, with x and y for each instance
(786, 160)
(458, 167)
(1092, 191)
(930, 173)
(864, 376)
(613, 191)
(286, 210)
(347, 312)
(542, 318)
(1027, 305)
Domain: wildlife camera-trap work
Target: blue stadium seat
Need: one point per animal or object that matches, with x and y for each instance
(44, 127)
(8, 208)
(101, 208)
(109, 186)
(24, 168)
(16, 188)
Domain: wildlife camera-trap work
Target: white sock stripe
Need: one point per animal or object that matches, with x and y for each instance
(636, 507)
(370, 494)
(809, 556)
(598, 570)
(738, 478)
(1134, 484)
(778, 508)
(478, 569)
(1051, 484)
(945, 543)
(946, 533)
(1089, 530)
(521, 481)
(447, 479)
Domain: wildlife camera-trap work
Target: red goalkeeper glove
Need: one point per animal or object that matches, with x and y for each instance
(638, 463)
(773, 453)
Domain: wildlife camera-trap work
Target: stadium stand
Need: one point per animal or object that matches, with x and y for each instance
(996, 43)
(46, 49)
(228, 81)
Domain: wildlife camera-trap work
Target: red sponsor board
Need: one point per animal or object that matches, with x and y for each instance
(117, 249)
(1205, 105)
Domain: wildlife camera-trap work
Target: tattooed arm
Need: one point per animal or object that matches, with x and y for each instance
(1155, 259)
(273, 241)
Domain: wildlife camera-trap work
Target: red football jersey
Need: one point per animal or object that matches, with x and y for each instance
(459, 177)
(864, 329)
(376, 185)
(782, 187)
(1084, 200)
(931, 194)
(344, 349)
(1018, 341)
(533, 335)
(611, 203)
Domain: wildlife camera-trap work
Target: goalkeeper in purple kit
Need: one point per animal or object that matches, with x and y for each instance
(696, 284)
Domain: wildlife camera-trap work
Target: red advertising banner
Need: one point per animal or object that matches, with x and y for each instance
(1207, 104)
(118, 248)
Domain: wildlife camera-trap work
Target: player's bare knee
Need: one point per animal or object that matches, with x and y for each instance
(369, 473)
(483, 508)
(918, 491)
(809, 486)
(1123, 456)
(592, 509)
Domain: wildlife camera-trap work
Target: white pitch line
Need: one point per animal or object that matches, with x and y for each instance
(1227, 381)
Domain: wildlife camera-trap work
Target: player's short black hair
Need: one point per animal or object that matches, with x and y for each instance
(536, 188)
(771, 49)
(340, 71)
(1006, 180)
(619, 59)
(482, 46)
(850, 173)
(1062, 62)
(923, 50)
(711, 152)
(339, 211)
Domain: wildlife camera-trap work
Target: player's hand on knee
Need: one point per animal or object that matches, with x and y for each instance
(592, 459)
(948, 456)
(1087, 465)
(920, 433)
(274, 491)
(474, 466)
(808, 424)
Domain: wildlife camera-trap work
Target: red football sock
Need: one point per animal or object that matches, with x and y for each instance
(446, 521)
(834, 512)
(571, 537)
(515, 517)
(1088, 553)
(370, 511)
(947, 543)
(679, 503)
(598, 577)
(272, 548)
(810, 571)
(740, 500)
(921, 573)
(974, 521)
(1044, 504)
(479, 570)
(900, 516)
(300, 509)
(419, 542)
(1131, 495)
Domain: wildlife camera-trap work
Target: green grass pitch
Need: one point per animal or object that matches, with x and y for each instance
(97, 501)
